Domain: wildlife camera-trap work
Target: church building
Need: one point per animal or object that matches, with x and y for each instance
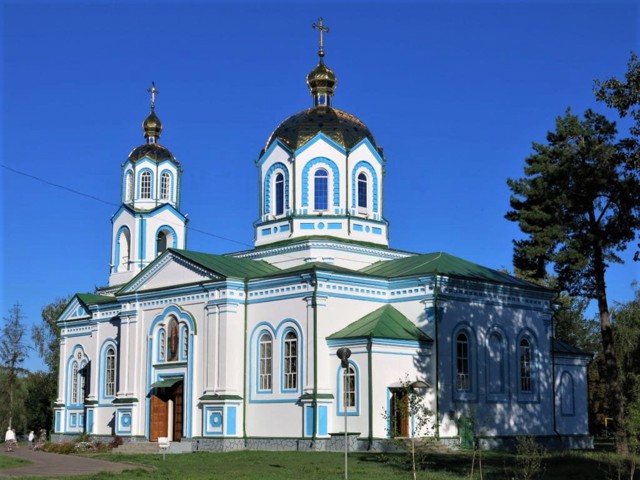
(240, 350)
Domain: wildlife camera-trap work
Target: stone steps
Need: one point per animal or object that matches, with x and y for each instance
(134, 448)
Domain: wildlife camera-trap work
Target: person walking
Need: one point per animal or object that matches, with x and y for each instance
(31, 437)
(9, 439)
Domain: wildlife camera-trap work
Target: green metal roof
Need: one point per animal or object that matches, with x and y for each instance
(229, 266)
(93, 299)
(385, 322)
(441, 263)
(308, 267)
(562, 347)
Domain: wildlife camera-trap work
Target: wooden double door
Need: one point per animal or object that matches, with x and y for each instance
(167, 412)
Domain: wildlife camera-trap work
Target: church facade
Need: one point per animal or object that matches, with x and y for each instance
(234, 351)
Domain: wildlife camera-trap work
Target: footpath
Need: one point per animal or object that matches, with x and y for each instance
(49, 465)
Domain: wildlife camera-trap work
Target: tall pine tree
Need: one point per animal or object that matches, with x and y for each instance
(578, 206)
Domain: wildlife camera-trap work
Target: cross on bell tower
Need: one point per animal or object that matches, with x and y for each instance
(322, 29)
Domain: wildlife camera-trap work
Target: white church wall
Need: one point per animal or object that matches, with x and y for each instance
(571, 400)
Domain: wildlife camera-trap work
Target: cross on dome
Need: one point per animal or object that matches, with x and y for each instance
(322, 29)
(153, 91)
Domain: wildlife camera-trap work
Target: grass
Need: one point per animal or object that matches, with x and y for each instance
(250, 465)
(7, 461)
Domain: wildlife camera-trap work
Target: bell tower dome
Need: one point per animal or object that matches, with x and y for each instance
(149, 219)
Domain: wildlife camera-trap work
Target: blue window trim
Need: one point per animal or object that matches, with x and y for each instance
(71, 360)
(128, 174)
(116, 258)
(277, 167)
(102, 381)
(321, 189)
(335, 180)
(277, 334)
(340, 403)
(161, 339)
(165, 228)
(373, 177)
(279, 193)
(184, 331)
(472, 393)
(139, 184)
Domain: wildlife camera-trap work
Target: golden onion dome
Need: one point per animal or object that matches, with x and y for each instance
(322, 80)
(152, 126)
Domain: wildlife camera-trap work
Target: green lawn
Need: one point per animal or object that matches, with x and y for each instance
(328, 466)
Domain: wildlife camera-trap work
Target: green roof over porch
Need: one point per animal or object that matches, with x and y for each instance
(385, 322)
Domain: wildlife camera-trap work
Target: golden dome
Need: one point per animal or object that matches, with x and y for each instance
(322, 80)
(342, 127)
(152, 126)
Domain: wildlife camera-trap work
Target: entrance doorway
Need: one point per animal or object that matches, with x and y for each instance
(400, 413)
(166, 415)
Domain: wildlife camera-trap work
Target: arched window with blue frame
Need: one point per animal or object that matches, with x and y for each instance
(321, 190)
(165, 186)
(184, 339)
(348, 390)
(525, 358)
(463, 373)
(110, 372)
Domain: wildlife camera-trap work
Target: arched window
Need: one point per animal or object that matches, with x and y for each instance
(526, 383)
(290, 361)
(74, 384)
(362, 190)
(321, 190)
(279, 192)
(463, 379)
(165, 186)
(110, 373)
(266, 362)
(145, 185)
(129, 187)
(173, 340)
(161, 241)
(162, 345)
(349, 387)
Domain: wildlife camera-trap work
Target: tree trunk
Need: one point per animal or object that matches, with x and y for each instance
(608, 348)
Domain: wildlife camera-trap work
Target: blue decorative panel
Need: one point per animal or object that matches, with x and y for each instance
(322, 420)
(214, 421)
(90, 421)
(123, 421)
(308, 423)
(334, 226)
(357, 227)
(73, 420)
(307, 226)
(376, 230)
(321, 226)
(231, 420)
(284, 228)
(57, 425)
(266, 231)
(81, 419)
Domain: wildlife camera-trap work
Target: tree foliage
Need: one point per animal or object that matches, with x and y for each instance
(13, 353)
(579, 206)
(46, 336)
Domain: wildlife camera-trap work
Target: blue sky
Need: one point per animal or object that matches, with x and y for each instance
(455, 92)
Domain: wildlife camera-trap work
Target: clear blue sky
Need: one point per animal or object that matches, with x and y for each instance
(454, 92)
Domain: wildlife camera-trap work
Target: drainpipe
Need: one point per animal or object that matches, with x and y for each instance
(370, 388)
(437, 340)
(244, 376)
(553, 374)
(314, 304)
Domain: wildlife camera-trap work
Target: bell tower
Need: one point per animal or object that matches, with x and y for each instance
(148, 220)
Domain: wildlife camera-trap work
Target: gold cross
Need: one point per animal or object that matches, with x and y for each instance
(320, 26)
(153, 91)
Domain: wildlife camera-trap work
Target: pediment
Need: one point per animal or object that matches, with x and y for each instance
(75, 310)
(169, 271)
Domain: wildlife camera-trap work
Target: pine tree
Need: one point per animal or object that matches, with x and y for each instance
(578, 206)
